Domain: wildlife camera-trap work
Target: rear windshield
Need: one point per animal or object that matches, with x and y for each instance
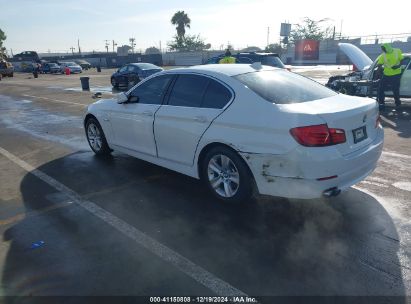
(272, 61)
(282, 87)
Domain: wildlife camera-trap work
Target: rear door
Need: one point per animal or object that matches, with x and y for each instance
(193, 103)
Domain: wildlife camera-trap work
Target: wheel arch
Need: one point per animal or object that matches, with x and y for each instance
(211, 145)
(87, 117)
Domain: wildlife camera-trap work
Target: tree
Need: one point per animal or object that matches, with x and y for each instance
(188, 43)
(181, 20)
(311, 29)
(275, 48)
(2, 38)
(152, 50)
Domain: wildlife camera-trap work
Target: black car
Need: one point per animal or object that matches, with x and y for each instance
(132, 73)
(270, 59)
(85, 65)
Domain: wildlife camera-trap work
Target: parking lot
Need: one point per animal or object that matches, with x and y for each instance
(76, 224)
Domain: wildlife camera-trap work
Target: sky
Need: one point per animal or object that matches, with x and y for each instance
(55, 25)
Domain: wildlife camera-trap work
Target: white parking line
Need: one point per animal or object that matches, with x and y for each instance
(56, 100)
(396, 154)
(194, 271)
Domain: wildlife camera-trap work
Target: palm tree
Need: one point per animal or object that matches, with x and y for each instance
(181, 20)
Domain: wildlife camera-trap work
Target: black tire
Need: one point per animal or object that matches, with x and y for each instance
(240, 171)
(100, 147)
(11, 75)
(114, 83)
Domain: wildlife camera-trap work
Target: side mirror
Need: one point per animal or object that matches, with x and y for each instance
(122, 98)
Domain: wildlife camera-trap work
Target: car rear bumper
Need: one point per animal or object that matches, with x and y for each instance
(296, 174)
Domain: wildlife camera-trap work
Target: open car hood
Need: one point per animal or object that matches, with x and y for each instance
(357, 57)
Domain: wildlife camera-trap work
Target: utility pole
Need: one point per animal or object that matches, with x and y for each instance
(78, 44)
(268, 36)
(160, 46)
(114, 45)
(132, 44)
(107, 44)
(72, 50)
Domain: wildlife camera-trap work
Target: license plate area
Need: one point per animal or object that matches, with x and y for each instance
(359, 134)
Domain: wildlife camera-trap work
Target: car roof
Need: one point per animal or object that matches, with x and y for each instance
(140, 63)
(258, 53)
(226, 69)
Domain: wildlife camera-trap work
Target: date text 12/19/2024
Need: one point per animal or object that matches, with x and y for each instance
(234, 299)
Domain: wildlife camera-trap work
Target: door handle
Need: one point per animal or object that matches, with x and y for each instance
(200, 118)
(147, 113)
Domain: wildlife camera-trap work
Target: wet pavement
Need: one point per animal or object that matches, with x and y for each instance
(121, 226)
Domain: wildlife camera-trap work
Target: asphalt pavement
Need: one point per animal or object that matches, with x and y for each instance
(74, 224)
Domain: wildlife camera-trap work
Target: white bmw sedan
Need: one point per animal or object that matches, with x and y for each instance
(242, 128)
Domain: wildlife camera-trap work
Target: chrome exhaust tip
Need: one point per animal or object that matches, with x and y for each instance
(331, 192)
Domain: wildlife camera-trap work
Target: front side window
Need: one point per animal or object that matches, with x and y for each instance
(283, 87)
(152, 91)
(132, 69)
(123, 69)
(188, 91)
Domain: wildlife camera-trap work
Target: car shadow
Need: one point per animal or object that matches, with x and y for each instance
(348, 245)
(398, 119)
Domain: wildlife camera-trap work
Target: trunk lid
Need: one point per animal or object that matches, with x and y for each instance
(357, 57)
(344, 112)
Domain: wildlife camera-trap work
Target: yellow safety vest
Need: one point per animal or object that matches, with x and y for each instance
(391, 59)
(227, 59)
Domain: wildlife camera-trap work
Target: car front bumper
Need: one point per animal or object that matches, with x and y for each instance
(296, 174)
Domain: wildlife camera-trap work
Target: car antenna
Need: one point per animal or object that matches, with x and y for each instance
(256, 65)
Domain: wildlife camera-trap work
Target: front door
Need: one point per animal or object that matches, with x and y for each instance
(132, 122)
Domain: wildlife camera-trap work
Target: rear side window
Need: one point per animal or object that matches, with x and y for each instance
(188, 91)
(152, 90)
(216, 96)
(282, 87)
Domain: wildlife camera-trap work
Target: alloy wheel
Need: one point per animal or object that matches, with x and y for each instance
(94, 137)
(223, 175)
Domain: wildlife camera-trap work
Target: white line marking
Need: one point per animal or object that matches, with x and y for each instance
(56, 100)
(194, 271)
(374, 183)
(378, 180)
(396, 154)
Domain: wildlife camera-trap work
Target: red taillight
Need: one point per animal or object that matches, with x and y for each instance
(318, 136)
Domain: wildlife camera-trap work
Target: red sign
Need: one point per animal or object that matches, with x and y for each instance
(307, 49)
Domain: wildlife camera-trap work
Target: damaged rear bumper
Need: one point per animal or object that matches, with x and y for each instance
(296, 174)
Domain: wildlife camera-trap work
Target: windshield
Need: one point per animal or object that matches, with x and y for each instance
(282, 87)
(272, 61)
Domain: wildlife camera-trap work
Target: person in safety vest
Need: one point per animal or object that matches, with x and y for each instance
(227, 58)
(390, 60)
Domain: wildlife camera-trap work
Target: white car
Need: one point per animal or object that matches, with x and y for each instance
(74, 67)
(243, 127)
(363, 82)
